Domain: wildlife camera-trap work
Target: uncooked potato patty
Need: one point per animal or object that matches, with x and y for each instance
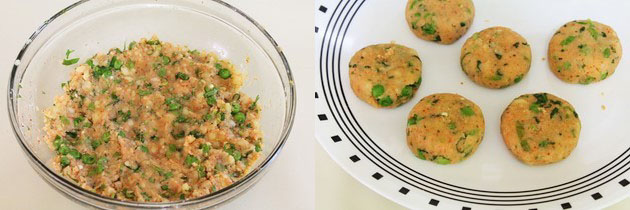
(584, 51)
(496, 57)
(444, 128)
(385, 75)
(438, 20)
(540, 128)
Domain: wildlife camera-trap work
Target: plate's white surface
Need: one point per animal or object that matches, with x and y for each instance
(592, 177)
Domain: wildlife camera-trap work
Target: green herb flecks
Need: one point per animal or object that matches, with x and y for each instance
(421, 154)
(588, 80)
(182, 76)
(591, 29)
(604, 75)
(545, 143)
(414, 120)
(518, 78)
(606, 53)
(173, 104)
(190, 159)
(498, 75)
(69, 61)
(452, 125)
(534, 107)
(567, 40)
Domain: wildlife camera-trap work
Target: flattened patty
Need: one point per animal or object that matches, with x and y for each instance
(385, 75)
(440, 21)
(584, 51)
(445, 128)
(496, 57)
(540, 128)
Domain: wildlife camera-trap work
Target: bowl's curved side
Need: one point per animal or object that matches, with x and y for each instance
(70, 190)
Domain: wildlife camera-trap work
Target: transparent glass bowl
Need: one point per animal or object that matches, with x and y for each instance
(92, 26)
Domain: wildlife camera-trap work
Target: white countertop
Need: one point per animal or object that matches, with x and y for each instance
(289, 184)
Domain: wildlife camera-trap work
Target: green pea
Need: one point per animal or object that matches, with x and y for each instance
(95, 143)
(63, 149)
(442, 160)
(64, 161)
(428, 28)
(88, 159)
(467, 111)
(57, 142)
(237, 155)
(377, 90)
(387, 101)
(201, 170)
(407, 91)
(224, 73)
(162, 72)
(236, 108)
(534, 108)
(239, 117)
(205, 148)
(165, 60)
(105, 137)
(75, 153)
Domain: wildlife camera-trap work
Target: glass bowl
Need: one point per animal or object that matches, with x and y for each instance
(92, 26)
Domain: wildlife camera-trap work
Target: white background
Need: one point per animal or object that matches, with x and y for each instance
(289, 183)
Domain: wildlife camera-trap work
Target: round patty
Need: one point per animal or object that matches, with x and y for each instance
(584, 51)
(444, 128)
(440, 21)
(540, 128)
(385, 75)
(496, 57)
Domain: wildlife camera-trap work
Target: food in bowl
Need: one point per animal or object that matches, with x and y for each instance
(154, 122)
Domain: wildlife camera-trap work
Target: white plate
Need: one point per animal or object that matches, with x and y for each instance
(370, 143)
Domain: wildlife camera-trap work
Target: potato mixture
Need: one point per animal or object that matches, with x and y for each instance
(153, 122)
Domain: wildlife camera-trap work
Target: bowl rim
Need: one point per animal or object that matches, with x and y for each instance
(38, 164)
